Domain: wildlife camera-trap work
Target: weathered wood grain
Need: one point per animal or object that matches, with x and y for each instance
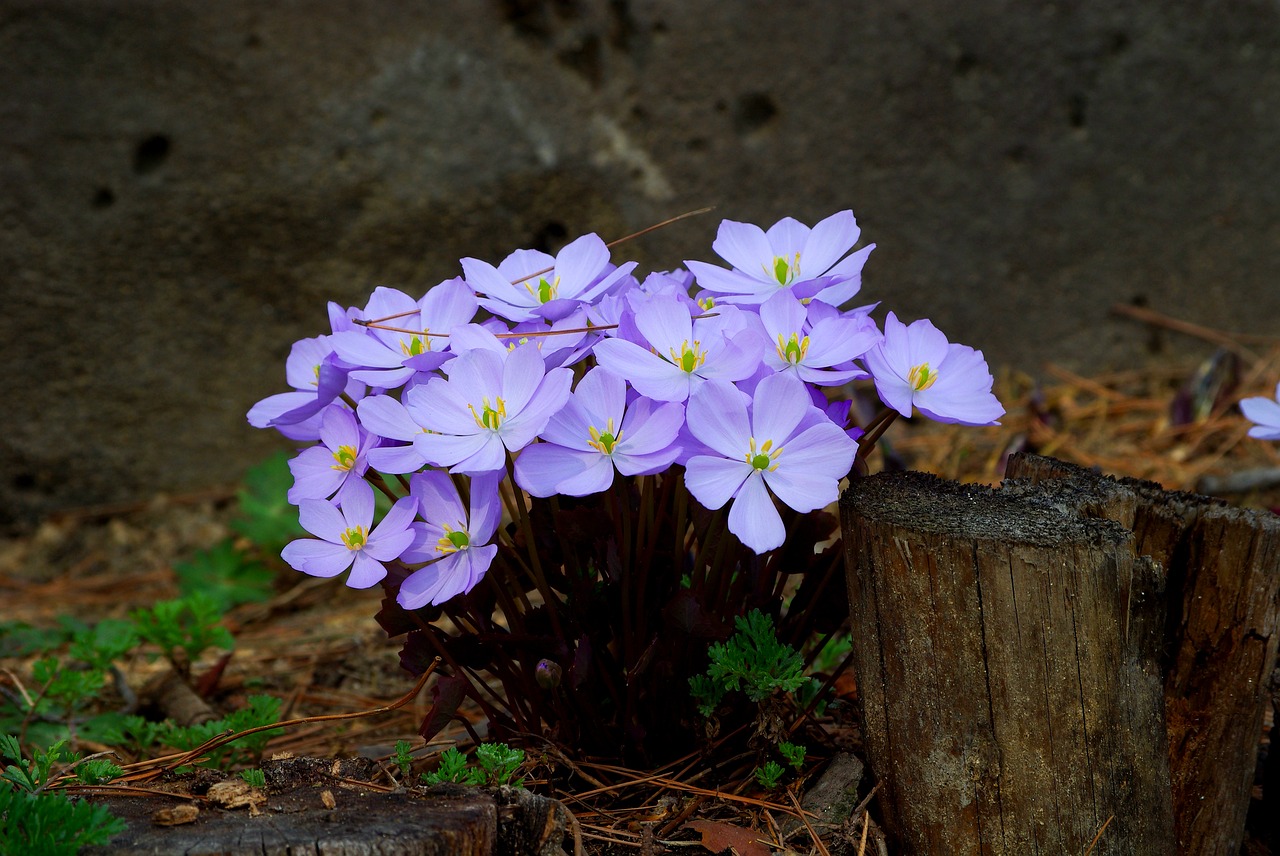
(1010, 704)
(1222, 577)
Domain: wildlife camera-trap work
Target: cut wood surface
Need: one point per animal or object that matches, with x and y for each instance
(314, 805)
(1011, 706)
(1222, 569)
(358, 824)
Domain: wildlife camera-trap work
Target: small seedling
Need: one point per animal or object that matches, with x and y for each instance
(97, 771)
(453, 768)
(266, 518)
(403, 758)
(51, 824)
(254, 777)
(495, 764)
(30, 776)
(260, 710)
(33, 820)
(188, 623)
(752, 660)
(500, 763)
(225, 574)
(768, 775)
(793, 753)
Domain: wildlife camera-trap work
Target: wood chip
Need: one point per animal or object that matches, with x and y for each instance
(177, 815)
(236, 793)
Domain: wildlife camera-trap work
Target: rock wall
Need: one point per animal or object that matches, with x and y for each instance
(184, 184)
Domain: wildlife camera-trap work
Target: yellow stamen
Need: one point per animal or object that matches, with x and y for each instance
(793, 350)
(604, 442)
(416, 345)
(764, 458)
(785, 270)
(356, 538)
(490, 416)
(921, 377)
(453, 540)
(345, 457)
(690, 358)
(544, 291)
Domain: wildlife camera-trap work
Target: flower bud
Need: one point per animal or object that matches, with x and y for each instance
(548, 674)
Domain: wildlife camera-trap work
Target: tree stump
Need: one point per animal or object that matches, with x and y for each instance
(1006, 658)
(1222, 575)
(971, 610)
(314, 805)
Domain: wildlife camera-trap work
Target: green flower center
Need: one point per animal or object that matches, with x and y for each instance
(785, 270)
(765, 457)
(345, 458)
(690, 358)
(416, 345)
(604, 441)
(544, 291)
(793, 350)
(356, 538)
(490, 415)
(921, 377)
(453, 540)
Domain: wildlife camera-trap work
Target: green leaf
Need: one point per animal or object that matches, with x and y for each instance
(752, 660)
(225, 575)
(52, 825)
(266, 517)
(258, 711)
(19, 639)
(794, 754)
(103, 643)
(190, 623)
(768, 775)
(453, 768)
(97, 771)
(500, 762)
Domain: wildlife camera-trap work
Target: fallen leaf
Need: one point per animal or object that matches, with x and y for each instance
(719, 837)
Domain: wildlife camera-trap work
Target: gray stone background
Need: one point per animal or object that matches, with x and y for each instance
(183, 184)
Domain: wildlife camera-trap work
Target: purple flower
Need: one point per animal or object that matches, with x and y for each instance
(345, 539)
(597, 432)
(558, 348)
(453, 540)
(1266, 413)
(388, 358)
(338, 464)
(782, 444)
(317, 378)
(387, 418)
(492, 403)
(916, 365)
(790, 256)
(529, 284)
(810, 341)
(677, 353)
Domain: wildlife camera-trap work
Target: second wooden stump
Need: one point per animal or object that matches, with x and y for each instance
(1017, 652)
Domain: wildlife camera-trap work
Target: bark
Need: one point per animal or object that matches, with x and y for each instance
(1222, 570)
(1006, 654)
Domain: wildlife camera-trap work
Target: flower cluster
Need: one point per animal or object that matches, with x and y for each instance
(557, 376)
